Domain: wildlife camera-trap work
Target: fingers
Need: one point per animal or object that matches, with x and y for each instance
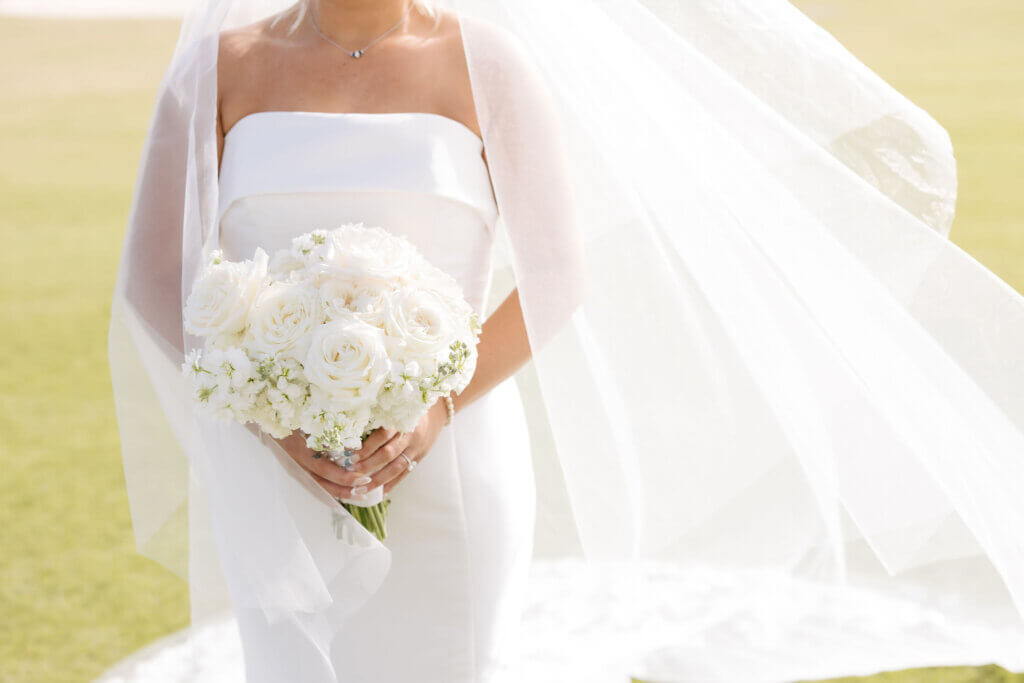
(380, 463)
(388, 476)
(375, 440)
(392, 472)
(384, 455)
(332, 488)
(324, 468)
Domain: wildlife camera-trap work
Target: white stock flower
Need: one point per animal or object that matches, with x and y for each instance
(402, 416)
(221, 297)
(467, 372)
(347, 360)
(227, 383)
(231, 366)
(193, 366)
(268, 419)
(282, 319)
(329, 426)
(402, 403)
(312, 247)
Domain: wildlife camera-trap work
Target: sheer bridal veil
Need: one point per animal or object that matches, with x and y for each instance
(755, 349)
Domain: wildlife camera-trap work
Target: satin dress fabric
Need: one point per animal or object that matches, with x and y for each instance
(461, 525)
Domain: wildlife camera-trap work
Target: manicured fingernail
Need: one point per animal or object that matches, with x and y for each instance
(362, 480)
(359, 491)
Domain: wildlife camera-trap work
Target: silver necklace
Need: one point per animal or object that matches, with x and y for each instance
(359, 53)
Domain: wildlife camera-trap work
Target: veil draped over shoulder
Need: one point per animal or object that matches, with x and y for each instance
(755, 349)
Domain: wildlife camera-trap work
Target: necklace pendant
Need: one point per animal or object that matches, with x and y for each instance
(357, 54)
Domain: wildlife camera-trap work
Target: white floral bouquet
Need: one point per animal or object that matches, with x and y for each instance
(346, 331)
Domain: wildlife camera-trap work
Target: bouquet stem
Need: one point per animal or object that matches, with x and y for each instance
(374, 518)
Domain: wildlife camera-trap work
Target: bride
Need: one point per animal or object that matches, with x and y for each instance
(314, 135)
(725, 336)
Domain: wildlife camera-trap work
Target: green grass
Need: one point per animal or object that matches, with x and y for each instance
(963, 62)
(74, 105)
(75, 99)
(967, 674)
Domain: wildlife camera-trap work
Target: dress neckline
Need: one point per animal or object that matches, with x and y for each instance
(305, 151)
(355, 116)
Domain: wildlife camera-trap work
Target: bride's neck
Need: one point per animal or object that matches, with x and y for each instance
(355, 20)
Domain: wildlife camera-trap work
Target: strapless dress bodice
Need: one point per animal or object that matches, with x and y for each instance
(417, 175)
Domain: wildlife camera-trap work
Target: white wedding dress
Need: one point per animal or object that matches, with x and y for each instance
(461, 525)
(462, 602)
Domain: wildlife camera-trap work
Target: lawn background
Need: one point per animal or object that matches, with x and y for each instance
(75, 98)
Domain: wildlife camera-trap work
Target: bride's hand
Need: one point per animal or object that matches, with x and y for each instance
(381, 454)
(335, 479)
(378, 462)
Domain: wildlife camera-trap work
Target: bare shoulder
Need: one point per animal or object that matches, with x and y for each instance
(513, 75)
(242, 42)
(442, 42)
(444, 30)
(510, 70)
(445, 66)
(243, 55)
(235, 50)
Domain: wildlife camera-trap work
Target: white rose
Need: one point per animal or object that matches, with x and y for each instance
(419, 324)
(224, 340)
(220, 299)
(366, 254)
(347, 360)
(285, 263)
(424, 275)
(340, 296)
(282, 319)
(356, 235)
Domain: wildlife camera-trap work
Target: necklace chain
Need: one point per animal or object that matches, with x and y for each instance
(356, 54)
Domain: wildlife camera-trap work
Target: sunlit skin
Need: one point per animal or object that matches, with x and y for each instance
(419, 67)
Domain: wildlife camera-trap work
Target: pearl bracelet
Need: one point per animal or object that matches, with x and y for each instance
(450, 405)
